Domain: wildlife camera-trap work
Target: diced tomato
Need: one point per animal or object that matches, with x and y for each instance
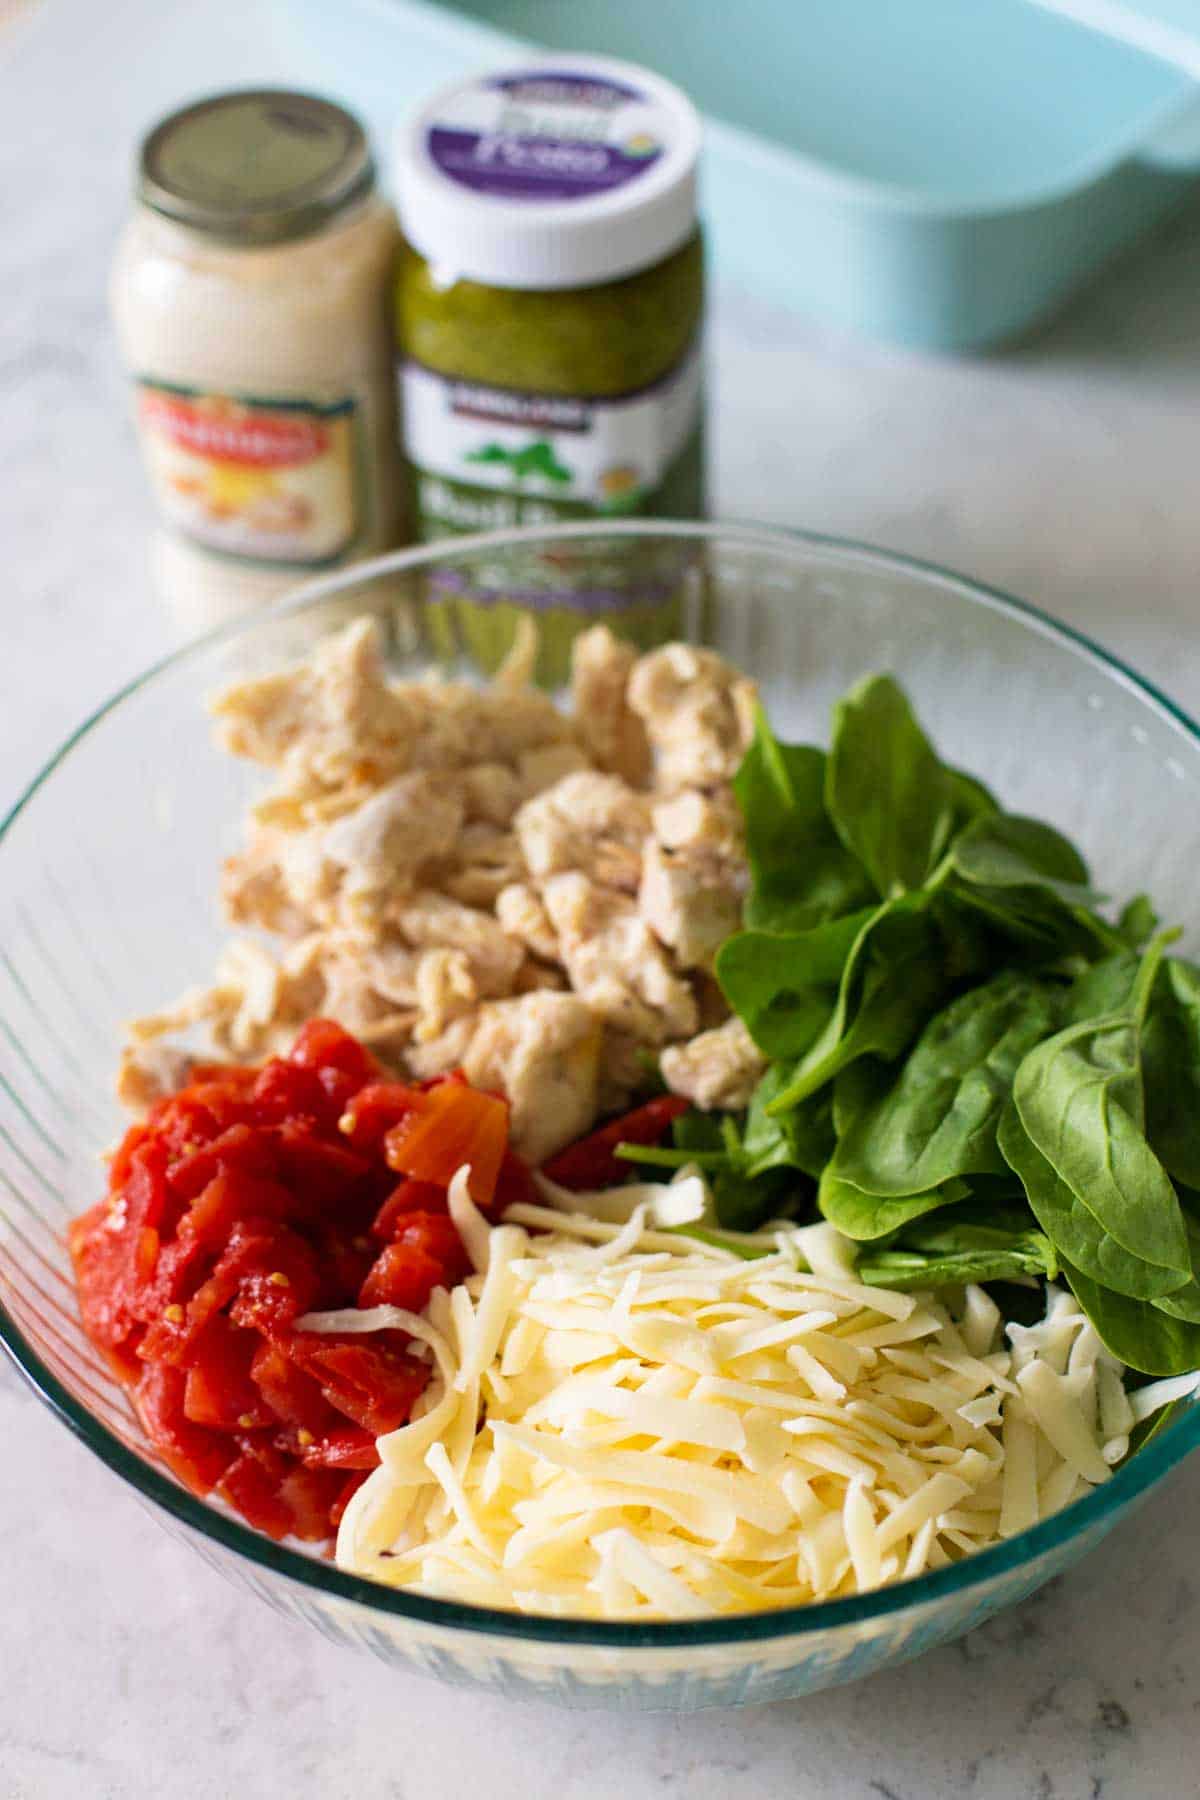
(277, 1276)
(196, 1454)
(100, 1253)
(401, 1276)
(218, 1390)
(408, 1197)
(590, 1163)
(292, 1396)
(374, 1383)
(452, 1126)
(251, 1485)
(255, 1195)
(346, 1494)
(323, 1044)
(240, 1150)
(375, 1110)
(349, 1447)
(309, 1495)
(284, 1089)
(227, 1200)
(515, 1185)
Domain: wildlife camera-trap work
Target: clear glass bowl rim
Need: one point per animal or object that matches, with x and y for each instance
(1141, 1472)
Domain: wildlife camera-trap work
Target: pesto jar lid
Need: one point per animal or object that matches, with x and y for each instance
(255, 167)
(560, 173)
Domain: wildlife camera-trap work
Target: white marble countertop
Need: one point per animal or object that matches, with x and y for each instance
(1067, 471)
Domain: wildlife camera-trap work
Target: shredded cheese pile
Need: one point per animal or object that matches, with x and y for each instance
(629, 1424)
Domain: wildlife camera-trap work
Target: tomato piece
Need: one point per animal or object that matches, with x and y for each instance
(452, 1126)
(310, 1495)
(316, 1171)
(346, 1494)
(375, 1110)
(324, 1045)
(292, 1396)
(218, 1389)
(283, 1089)
(590, 1162)
(251, 1485)
(408, 1197)
(227, 1200)
(277, 1276)
(99, 1245)
(197, 1455)
(241, 1149)
(122, 1157)
(402, 1275)
(374, 1384)
(348, 1447)
(515, 1184)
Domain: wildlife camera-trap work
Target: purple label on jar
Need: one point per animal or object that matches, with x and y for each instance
(546, 136)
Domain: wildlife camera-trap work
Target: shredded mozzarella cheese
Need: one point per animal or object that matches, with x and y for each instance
(628, 1424)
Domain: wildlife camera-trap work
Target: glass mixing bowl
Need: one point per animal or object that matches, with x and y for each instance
(108, 871)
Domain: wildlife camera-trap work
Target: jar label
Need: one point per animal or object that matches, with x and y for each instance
(268, 481)
(545, 135)
(481, 458)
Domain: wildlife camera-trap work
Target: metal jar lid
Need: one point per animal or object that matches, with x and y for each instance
(256, 167)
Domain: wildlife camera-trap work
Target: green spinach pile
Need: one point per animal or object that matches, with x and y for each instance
(973, 1072)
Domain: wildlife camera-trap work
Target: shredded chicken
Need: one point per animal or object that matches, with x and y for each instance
(470, 877)
(720, 1068)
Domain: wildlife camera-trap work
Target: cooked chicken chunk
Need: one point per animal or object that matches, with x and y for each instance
(590, 822)
(614, 961)
(385, 843)
(692, 902)
(542, 1051)
(719, 1068)
(325, 717)
(430, 921)
(698, 713)
(694, 820)
(521, 913)
(491, 793)
(612, 733)
(486, 859)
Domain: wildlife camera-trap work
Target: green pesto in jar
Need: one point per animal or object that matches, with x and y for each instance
(549, 306)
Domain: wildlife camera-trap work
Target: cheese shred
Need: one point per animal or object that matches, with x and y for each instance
(623, 1423)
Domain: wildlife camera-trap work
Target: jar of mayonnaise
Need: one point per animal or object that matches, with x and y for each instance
(251, 299)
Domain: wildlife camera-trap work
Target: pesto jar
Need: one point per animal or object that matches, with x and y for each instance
(549, 312)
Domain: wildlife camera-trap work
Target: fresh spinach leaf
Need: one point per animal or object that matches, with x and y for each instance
(1146, 1430)
(885, 789)
(801, 874)
(866, 1216)
(1007, 850)
(1074, 1230)
(1080, 1098)
(942, 1250)
(1138, 921)
(1171, 1051)
(1137, 1332)
(938, 1118)
(892, 980)
(802, 1138)
(970, 798)
(784, 986)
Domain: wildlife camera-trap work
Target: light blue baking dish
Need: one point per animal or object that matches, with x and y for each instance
(943, 173)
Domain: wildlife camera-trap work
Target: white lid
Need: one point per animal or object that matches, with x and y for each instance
(555, 173)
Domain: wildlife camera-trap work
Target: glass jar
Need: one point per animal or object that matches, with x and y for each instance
(250, 294)
(549, 310)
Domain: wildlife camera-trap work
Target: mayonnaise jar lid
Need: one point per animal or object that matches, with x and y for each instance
(255, 167)
(557, 173)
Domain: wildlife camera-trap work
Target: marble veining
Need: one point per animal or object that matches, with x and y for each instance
(1064, 470)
